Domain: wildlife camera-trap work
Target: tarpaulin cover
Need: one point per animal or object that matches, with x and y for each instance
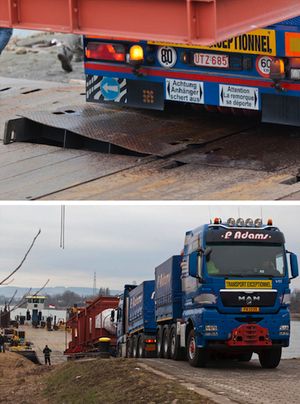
(168, 290)
(141, 307)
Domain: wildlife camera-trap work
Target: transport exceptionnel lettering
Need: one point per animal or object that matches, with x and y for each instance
(226, 296)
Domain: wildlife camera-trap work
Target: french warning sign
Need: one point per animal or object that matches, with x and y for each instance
(184, 91)
(238, 96)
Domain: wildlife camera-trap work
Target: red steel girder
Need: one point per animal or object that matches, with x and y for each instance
(194, 22)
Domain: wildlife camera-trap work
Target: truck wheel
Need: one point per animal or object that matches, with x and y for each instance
(141, 348)
(159, 351)
(245, 357)
(129, 349)
(166, 342)
(176, 352)
(135, 353)
(197, 357)
(270, 358)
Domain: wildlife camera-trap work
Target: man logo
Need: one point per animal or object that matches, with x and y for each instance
(249, 300)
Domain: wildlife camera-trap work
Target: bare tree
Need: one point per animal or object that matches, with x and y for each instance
(4, 280)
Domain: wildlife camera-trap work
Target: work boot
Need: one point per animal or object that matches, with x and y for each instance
(65, 60)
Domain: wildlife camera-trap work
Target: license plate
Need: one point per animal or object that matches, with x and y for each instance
(250, 309)
(210, 60)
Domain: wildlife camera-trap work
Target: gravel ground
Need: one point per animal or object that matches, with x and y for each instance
(34, 58)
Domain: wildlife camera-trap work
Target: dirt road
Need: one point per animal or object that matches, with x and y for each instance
(34, 59)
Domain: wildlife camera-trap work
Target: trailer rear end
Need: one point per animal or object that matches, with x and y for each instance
(141, 318)
(168, 306)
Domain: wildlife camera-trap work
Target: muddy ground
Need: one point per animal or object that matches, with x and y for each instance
(34, 58)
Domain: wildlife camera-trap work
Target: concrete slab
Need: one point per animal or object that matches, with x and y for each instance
(56, 340)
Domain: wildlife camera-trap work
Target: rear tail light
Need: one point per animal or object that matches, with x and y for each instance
(106, 51)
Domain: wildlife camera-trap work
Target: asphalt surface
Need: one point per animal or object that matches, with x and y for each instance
(246, 383)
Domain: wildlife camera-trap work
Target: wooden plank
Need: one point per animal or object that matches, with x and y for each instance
(41, 175)
(187, 182)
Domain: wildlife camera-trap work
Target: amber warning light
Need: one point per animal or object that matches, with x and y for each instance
(105, 51)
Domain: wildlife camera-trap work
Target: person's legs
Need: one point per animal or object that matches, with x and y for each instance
(5, 34)
(73, 46)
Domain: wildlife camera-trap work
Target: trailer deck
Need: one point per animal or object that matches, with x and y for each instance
(194, 22)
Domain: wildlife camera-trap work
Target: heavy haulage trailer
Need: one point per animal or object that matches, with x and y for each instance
(90, 323)
(225, 55)
(226, 296)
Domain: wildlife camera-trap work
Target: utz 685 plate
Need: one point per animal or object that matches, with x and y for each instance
(210, 60)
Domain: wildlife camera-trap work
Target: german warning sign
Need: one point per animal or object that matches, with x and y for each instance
(184, 91)
(238, 96)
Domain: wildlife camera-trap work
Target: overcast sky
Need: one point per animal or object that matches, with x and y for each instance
(121, 243)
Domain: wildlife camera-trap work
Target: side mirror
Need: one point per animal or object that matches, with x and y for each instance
(294, 265)
(207, 251)
(193, 266)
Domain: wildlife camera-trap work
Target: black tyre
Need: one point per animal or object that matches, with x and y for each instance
(197, 357)
(159, 351)
(166, 342)
(245, 357)
(129, 349)
(141, 348)
(176, 352)
(135, 353)
(270, 358)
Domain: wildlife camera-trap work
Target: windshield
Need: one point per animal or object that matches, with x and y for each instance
(246, 260)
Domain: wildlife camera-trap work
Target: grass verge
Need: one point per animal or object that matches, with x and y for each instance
(112, 381)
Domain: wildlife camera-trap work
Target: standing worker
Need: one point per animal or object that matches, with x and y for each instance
(2, 346)
(46, 352)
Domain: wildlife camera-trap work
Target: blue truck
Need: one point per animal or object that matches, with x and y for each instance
(227, 296)
(135, 320)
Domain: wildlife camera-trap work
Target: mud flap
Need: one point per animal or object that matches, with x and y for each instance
(132, 93)
(277, 108)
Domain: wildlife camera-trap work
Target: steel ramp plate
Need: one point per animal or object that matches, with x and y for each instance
(129, 131)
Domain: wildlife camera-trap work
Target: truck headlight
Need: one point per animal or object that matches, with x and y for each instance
(284, 327)
(211, 328)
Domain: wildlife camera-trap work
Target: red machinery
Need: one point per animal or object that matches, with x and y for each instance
(87, 325)
(193, 22)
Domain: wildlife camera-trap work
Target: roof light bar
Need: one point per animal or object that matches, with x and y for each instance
(257, 222)
(249, 222)
(231, 222)
(240, 222)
